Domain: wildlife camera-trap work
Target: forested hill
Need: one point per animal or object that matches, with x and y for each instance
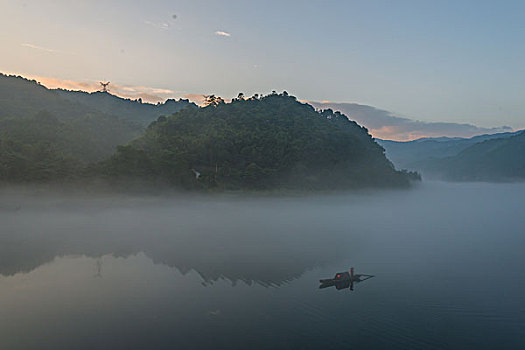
(132, 110)
(45, 137)
(257, 143)
(501, 159)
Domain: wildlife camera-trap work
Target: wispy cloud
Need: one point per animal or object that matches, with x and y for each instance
(138, 89)
(157, 25)
(197, 98)
(44, 49)
(221, 33)
(383, 124)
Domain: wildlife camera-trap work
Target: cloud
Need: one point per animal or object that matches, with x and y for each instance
(44, 49)
(221, 33)
(383, 124)
(54, 83)
(157, 25)
(139, 89)
(199, 99)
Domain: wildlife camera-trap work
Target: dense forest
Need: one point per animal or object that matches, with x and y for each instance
(133, 110)
(256, 143)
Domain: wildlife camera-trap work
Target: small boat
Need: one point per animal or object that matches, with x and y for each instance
(344, 280)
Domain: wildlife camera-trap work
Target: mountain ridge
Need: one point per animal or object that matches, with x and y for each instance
(405, 154)
(494, 160)
(139, 112)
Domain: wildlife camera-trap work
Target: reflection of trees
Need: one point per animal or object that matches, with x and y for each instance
(267, 258)
(98, 266)
(264, 240)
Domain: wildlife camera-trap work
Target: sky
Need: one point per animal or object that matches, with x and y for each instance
(429, 61)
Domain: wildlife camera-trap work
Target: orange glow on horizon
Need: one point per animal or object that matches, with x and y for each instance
(147, 94)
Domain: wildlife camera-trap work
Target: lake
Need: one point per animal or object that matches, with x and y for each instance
(227, 271)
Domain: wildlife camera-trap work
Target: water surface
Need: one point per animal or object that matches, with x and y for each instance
(228, 271)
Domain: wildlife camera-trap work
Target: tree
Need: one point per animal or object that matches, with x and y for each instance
(212, 100)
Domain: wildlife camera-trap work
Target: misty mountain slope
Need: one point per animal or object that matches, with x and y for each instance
(132, 110)
(266, 143)
(42, 135)
(20, 98)
(405, 154)
(501, 159)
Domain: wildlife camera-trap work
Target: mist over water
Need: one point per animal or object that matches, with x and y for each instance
(231, 271)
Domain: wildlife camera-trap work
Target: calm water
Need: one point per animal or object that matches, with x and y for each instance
(226, 272)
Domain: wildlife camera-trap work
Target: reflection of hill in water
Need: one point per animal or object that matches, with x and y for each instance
(264, 241)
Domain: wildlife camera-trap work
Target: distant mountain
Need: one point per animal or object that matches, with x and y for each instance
(273, 142)
(496, 159)
(408, 154)
(135, 111)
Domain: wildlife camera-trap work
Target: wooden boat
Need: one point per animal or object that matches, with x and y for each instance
(343, 280)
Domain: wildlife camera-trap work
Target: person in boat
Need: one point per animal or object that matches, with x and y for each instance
(344, 280)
